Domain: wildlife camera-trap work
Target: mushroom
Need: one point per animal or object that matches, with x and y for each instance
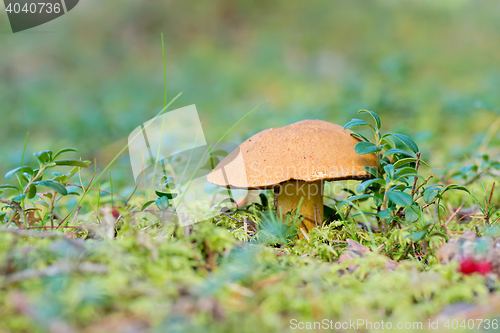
(295, 161)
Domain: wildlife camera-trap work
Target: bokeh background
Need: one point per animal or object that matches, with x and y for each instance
(430, 69)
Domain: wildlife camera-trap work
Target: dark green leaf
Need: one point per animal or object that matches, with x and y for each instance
(404, 161)
(400, 198)
(406, 140)
(52, 184)
(374, 115)
(32, 192)
(263, 200)
(43, 156)
(359, 136)
(43, 203)
(406, 177)
(364, 185)
(147, 204)
(389, 170)
(431, 192)
(8, 187)
(372, 171)
(405, 171)
(168, 195)
(19, 197)
(416, 236)
(413, 213)
(162, 203)
(398, 151)
(363, 148)
(73, 190)
(22, 169)
(65, 150)
(76, 163)
(386, 141)
(385, 214)
(454, 187)
(358, 122)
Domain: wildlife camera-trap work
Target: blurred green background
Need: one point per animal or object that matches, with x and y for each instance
(431, 69)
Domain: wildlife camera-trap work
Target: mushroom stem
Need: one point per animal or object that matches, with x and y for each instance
(291, 192)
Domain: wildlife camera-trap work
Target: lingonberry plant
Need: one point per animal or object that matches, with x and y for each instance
(397, 191)
(32, 185)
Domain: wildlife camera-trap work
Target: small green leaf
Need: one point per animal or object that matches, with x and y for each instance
(364, 185)
(416, 236)
(431, 192)
(263, 200)
(52, 184)
(8, 187)
(43, 203)
(169, 195)
(406, 140)
(32, 192)
(73, 190)
(363, 148)
(374, 115)
(399, 151)
(385, 214)
(408, 177)
(359, 136)
(495, 165)
(167, 180)
(372, 171)
(62, 179)
(357, 123)
(406, 171)
(162, 203)
(404, 161)
(65, 150)
(453, 187)
(147, 204)
(23, 169)
(387, 142)
(43, 156)
(76, 163)
(400, 198)
(389, 170)
(413, 213)
(356, 197)
(19, 198)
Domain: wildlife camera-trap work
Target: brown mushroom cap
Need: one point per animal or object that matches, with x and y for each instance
(309, 150)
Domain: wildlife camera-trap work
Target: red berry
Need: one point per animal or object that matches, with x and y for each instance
(115, 213)
(468, 266)
(483, 267)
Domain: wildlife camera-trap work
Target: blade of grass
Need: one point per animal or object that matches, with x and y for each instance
(21, 178)
(163, 120)
(111, 182)
(164, 69)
